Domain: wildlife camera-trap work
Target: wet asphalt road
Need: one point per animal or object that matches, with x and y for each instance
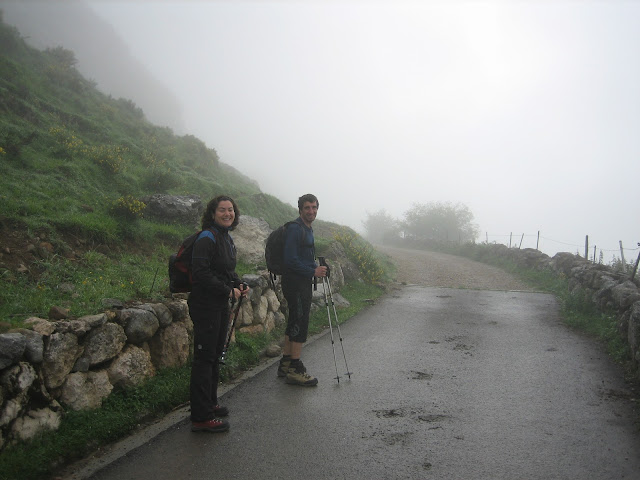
(446, 384)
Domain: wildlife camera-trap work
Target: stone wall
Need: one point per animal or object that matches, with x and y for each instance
(75, 363)
(611, 290)
(61, 363)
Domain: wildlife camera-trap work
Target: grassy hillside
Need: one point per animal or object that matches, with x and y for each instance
(73, 164)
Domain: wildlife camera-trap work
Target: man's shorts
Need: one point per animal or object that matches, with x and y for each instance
(297, 291)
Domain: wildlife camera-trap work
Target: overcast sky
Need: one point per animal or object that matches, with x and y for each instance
(526, 112)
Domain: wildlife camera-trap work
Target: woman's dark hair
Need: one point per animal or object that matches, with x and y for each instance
(207, 216)
(309, 197)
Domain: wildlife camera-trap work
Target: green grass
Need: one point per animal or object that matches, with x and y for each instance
(93, 277)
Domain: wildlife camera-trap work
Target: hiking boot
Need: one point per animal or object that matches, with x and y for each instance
(213, 426)
(220, 411)
(298, 376)
(283, 368)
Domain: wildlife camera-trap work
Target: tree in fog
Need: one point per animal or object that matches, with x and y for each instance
(440, 222)
(380, 227)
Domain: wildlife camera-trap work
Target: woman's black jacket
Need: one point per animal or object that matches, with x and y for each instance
(213, 265)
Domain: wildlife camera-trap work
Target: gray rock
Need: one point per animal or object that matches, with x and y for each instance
(273, 350)
(250, 238)
(113, 303)
(84, 391)
(12, 347)
(60, 355)
(255, 281)
(255, 294)
(81, 325)
(37, 421)
(633, 329)
(18, 378)
(260, 311)
(82, 365)
(182, 209)
(165, 317)
(58, 313)
(625, 294)
(139, 325)
(104, 343)
(40, 325)
(179, 310)
(170, 347)
(245, 315)
(132, 367)
(272, 300)
(34, 348)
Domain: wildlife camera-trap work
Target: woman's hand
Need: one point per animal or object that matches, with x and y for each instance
(242, 291)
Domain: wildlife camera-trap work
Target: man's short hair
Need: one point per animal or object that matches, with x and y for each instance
(309, 197)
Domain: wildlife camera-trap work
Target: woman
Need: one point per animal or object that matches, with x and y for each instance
(214, 283)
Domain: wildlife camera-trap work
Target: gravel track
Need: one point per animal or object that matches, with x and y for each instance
(433, 269)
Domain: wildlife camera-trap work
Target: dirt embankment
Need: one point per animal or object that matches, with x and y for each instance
(433, 269)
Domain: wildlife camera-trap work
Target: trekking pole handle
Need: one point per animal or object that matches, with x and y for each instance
(323, 263)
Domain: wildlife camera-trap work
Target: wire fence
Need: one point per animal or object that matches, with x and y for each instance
(591, 251)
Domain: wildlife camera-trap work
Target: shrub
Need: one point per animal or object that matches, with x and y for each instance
(362, 254)
(128, 208)
(111, 157)
(67, 143)
(160, 180)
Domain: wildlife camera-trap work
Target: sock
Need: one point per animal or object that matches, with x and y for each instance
(285, 358)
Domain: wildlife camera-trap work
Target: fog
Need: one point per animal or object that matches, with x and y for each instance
(526, 112)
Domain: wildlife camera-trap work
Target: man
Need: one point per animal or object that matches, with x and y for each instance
(301, 268)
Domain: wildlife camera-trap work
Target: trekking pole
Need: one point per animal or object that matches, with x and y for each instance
(338, 327)
(230, 334)
(335, 313)
(326, 302)
(154, 280)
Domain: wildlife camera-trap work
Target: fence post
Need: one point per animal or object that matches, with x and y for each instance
(594, 254)
(624, 263)
(635, 268)
(521, 238)
(510, 235)
(586, 247)
(538, 241)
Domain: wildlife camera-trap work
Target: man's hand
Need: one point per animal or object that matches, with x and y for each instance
(321, 271)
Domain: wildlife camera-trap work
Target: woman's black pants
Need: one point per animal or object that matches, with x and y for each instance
(209, 334)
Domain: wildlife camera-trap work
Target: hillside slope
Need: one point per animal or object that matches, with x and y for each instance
(106, 58)
(73, 164)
